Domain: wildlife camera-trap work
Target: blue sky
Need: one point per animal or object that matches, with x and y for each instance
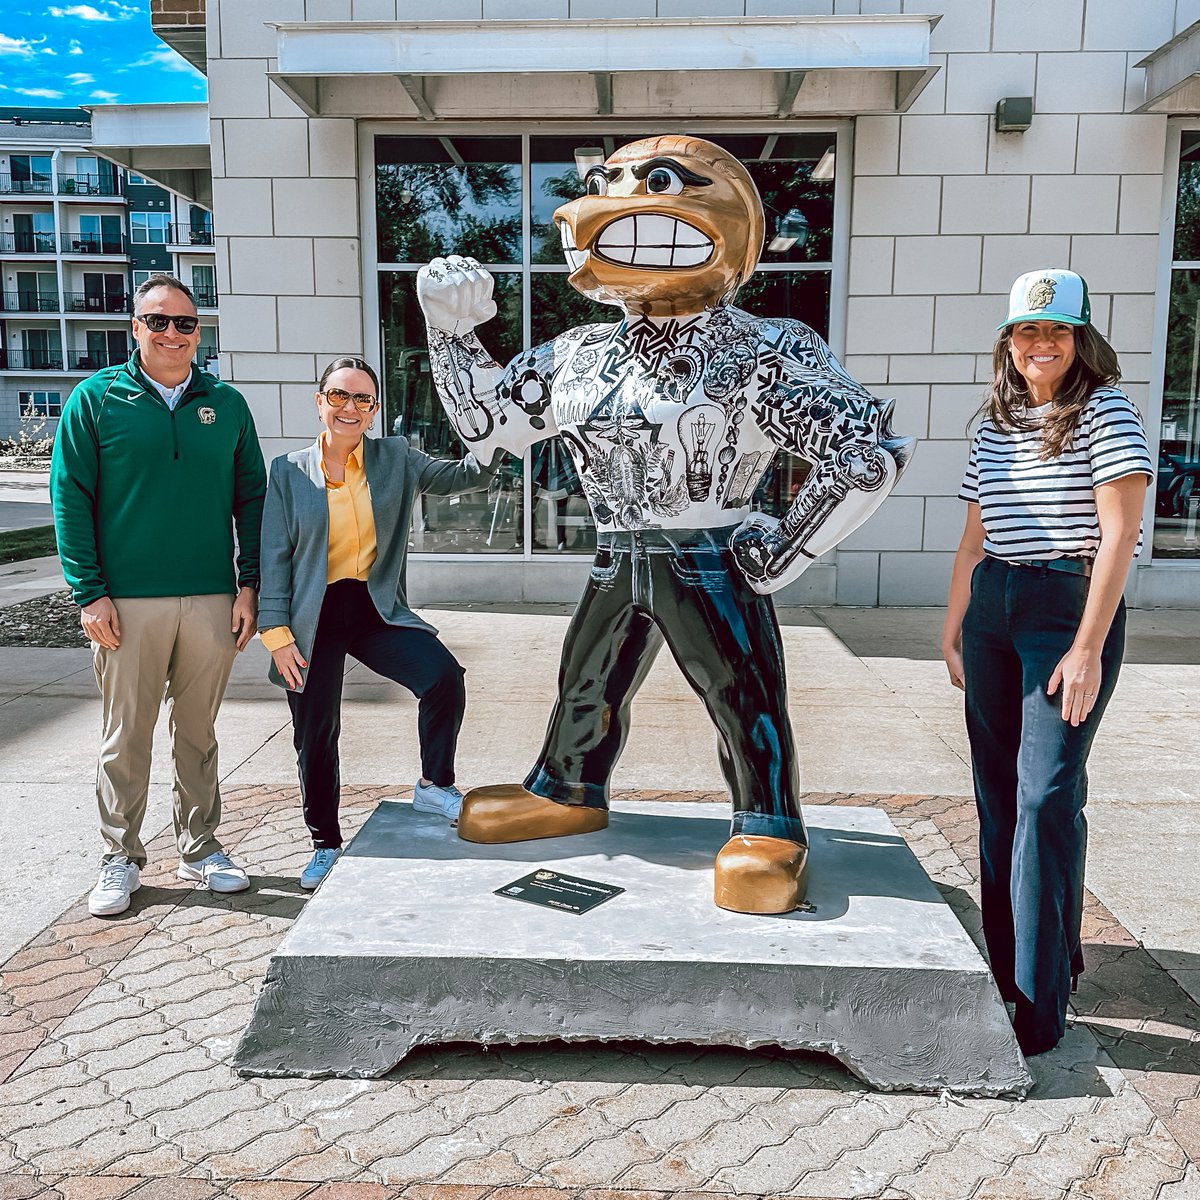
(64, 55)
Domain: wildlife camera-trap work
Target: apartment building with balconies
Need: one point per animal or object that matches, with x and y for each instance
(77, 236)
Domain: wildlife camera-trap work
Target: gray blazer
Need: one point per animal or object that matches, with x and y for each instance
(295, 532)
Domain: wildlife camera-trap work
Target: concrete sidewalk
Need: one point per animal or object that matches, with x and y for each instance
(120, 1031)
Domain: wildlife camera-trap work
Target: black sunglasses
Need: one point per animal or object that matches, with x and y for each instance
(363, 401)
(157, 322)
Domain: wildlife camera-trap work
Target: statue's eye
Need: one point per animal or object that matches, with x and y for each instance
(662, 181)
(597, 184)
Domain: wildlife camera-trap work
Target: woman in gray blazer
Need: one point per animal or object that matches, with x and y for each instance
(334, 550)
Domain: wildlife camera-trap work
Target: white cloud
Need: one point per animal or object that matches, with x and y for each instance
(167, 59)
(106, 97)
(84, 12)
(76, 48)
(79, 79)
(39, 93)
(47, 50)
(17, 46)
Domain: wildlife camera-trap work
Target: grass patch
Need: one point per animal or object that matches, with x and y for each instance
(18, 544)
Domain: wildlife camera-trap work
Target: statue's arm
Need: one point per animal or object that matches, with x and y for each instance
(811, 406)
(491, 407)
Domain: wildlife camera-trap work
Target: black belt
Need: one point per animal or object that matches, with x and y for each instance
(1071, 566)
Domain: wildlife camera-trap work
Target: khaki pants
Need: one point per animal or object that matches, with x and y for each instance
(180, 646)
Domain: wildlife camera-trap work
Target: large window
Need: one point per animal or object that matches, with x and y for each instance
(493, 198)
(1177, 490)
(204, 285)
(39, 404)
(30, 173)
(149, 228)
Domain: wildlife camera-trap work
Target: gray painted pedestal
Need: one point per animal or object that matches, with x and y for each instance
(405, 944)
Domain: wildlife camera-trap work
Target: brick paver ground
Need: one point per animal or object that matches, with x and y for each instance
(115, 1039)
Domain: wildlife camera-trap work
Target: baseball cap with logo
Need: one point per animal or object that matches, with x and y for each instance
(1049, 295)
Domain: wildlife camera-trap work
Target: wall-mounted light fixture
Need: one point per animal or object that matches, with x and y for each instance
(1014, 114)
(826, 165)
(792, 230)
(587, 157)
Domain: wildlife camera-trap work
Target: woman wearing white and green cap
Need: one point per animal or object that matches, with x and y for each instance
(1035, 627)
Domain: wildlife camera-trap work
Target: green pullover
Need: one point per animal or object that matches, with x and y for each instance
(145, 498)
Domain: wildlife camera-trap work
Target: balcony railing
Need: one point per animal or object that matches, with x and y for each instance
(30, 301)
(185, 235)
(88, 185)
(81, 302)
(25, 242)
(205, 297)
(25, 187)
(92, 360)
(30, 360)
(93, 243)
(68, 185)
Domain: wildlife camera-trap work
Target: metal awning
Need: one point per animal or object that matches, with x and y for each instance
(167, 143)
(1173, 75)
(765, 67)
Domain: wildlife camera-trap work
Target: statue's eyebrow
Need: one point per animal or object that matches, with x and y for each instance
(644, 169)
(612, 174)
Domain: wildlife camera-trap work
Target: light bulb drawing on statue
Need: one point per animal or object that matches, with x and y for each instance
(696, 429)
(671, 414)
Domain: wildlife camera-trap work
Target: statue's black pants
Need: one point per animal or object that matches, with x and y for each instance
(682, 587)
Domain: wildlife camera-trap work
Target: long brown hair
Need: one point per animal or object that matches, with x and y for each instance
(1095, 366)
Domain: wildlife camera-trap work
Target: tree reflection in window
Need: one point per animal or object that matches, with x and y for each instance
(438, 196)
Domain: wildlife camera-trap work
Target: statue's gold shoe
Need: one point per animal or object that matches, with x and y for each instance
(506, 812)
(756, 874)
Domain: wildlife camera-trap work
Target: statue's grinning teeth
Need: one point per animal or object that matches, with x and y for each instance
(644, 240)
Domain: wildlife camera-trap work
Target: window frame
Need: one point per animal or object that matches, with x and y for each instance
(164, 228)
(33, 413)
(1156, 391)
(841, 132)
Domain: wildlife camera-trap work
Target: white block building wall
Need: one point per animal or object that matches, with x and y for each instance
(945, 213)
(286, 205)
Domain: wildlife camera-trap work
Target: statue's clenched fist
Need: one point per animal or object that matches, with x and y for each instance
(455, 294)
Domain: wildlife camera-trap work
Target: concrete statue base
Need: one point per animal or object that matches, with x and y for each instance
(406, 944)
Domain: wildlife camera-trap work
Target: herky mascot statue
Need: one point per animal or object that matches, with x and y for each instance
(672, 416)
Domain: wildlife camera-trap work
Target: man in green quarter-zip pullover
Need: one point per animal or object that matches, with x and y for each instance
(155, 463)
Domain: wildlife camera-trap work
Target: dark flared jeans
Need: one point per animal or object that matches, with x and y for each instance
(1030, 770)
(681, 587)
(351, 624)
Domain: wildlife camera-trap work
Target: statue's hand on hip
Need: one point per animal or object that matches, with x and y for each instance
(455, 294)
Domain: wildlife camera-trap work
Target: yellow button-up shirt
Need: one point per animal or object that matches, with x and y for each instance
(352, 544)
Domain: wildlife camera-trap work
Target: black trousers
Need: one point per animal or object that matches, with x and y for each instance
(681, 587)
(351, 624)
(1030, 771)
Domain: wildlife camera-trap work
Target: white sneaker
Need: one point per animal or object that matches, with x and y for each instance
(217, 872)
(318, 867)
(445, 801)
(118, 880)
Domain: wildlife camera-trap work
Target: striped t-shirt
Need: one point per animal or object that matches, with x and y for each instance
(1039, 509)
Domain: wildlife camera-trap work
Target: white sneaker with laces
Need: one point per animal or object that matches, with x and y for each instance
(318, 867)
(118, 880)
(217, 872)
(445, 801)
